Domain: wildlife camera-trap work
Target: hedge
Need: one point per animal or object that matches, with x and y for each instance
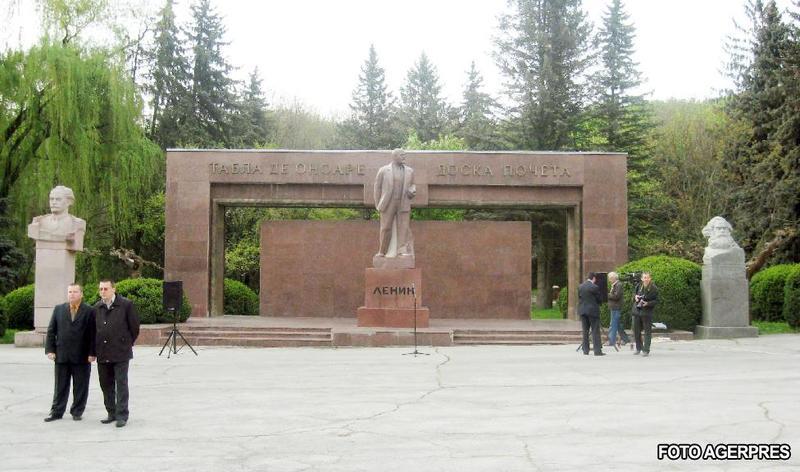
(767, 293)
(239, 299)
(18, 306)
(3, 321)
(563, 302)
(147, 295)
(791, 297)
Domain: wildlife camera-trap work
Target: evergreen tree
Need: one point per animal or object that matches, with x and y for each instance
(11, 258)
(543, 50)
(169, 81)
(761, 166)
(252, 123)
(213, 100)
(624, 124)
(372, 121)
(476, 119)
(423, 110)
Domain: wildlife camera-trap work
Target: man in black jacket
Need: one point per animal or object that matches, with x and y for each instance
(117, 329)
(70, 344)
(644, 303)
(589, 299)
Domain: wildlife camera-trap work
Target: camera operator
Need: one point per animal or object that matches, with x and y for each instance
(644, 302)
(589, 299)
(615, 297)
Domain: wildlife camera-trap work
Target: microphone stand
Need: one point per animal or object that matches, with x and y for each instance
(416, 352)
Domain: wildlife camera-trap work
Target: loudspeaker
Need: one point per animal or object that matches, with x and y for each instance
(173, 295)
(601, 281)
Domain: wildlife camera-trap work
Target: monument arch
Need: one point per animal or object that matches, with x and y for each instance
(589, 187)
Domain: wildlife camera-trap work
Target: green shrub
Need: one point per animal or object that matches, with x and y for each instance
(18, 306)
(147, 295)
(239, 299)
(766, 293)
(3, 321)
(791, 297)
(678, 281)
(563, 302)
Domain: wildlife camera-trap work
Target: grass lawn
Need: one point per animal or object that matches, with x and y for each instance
(774, 327)
(8, 338)
(546, 314)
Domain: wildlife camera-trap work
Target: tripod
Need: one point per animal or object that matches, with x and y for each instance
(173, 336)
(416, 352)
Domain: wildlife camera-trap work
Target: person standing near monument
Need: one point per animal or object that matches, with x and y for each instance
(117, 329)
(394, 188)
(644, 303)
(589, 299)
(615, 306)
(70, 344)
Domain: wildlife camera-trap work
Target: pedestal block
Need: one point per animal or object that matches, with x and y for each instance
(55, 270)
(724, 293)
(389, 299)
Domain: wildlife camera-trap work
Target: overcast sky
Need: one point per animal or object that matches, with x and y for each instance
(312, 50)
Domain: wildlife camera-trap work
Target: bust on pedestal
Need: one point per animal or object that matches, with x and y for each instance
(724, 288)
(58, 236)
(393, 293)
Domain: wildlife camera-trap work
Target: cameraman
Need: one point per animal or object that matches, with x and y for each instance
(615, 297)
(644, 301)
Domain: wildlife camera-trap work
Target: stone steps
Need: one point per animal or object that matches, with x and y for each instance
(254, 337)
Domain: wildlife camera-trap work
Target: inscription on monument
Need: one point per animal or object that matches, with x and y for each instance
(397, 290)
(480, 170)
(301, 168)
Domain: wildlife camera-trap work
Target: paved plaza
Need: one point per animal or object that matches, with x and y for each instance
(466, 408)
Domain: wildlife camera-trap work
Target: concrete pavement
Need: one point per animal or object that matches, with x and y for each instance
(470, 408)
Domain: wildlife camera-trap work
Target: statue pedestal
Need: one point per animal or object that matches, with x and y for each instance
(55, 270)
(725, 293)
(389, 299)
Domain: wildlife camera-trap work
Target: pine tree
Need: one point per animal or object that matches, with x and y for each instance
(371, 124)
(251, 126)
(762, 165)
(169, 81)
(544, 51)
(423, 110)
(624, 124)
(213, 100)
(476, 118)
(11, 258)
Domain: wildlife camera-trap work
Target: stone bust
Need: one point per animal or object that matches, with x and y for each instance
(59, 225)
(721, 246)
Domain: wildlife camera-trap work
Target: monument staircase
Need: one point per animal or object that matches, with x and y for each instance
(251, 336)
(515, 337)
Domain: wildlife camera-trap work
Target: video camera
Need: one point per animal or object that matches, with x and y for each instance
(634, 278)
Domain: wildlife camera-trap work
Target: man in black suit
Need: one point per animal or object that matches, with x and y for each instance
(117, 330)
(70, 344)
(589, 299)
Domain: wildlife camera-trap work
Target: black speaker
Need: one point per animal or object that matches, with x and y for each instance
(601, 281)
(173, 295)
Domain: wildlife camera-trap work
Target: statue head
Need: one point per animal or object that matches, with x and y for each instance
(60, 199)
(398, 156)
(718, 232)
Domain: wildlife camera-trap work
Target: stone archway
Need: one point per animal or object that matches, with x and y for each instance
(591, 187)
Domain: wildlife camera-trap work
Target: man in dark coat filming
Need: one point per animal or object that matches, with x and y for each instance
(117, 330)
(644, 302)
(589, 299)
(70, 344)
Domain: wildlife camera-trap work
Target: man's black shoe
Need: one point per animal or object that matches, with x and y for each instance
(76, 417)
(121, 423)
(51, 418)
(599, 353)
(110, 419)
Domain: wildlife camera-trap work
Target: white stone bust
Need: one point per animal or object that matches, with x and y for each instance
(721, 249)
(59, 225)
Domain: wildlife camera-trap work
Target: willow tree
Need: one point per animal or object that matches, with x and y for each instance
(71, 116)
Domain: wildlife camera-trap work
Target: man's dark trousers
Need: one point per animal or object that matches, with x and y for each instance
(114, 383)
(594, 323)
(79, 374)
(642, 322)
